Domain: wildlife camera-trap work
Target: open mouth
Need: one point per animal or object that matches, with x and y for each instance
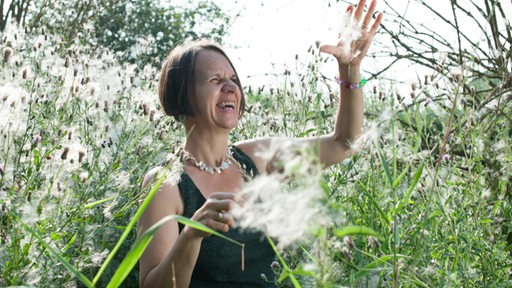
(226, 105)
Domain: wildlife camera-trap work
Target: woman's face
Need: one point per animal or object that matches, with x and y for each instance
(217, 95)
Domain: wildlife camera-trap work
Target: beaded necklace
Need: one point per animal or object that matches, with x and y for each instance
(228, 160)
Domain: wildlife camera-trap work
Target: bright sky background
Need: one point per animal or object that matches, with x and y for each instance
(269, 33)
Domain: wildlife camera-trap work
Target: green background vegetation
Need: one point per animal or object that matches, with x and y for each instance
(81, 125)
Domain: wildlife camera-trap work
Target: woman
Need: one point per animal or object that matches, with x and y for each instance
(200, 87)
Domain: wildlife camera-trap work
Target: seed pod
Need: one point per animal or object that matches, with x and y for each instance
(64, 154)
(7, 54)
(373, 242)
(348, 241)
(81, 154)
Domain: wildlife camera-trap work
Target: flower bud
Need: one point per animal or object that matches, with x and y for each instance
(81, 154)
(348, 241)
(7, 54)
(64, 154)
(373, 242)
(346, 253)
(275, 266)
(36, 140)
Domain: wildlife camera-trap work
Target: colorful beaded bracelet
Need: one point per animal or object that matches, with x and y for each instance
(349, 85)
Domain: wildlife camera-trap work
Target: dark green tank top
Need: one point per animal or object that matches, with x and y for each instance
(219, 262)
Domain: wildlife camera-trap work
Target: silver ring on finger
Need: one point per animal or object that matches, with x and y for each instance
(221, 216)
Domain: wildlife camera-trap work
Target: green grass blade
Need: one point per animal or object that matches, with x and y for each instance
(95, 203)
(407, 196)
(57, 255)
(287, 271)
(400, 177)
(199, 226)
(134, 254)
(140, 245)
(386, 169)
(355, 230)
(128, 228)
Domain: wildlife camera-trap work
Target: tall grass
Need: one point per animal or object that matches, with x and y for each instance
(425, 203)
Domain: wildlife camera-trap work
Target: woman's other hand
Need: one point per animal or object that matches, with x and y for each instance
(354, 54)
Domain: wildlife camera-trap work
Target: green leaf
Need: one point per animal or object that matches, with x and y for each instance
(134, 254)
(95, 203)
(140, 245)
(407, 196)
(386, 168)
(132, 223)
(400, 177)
(355, 230)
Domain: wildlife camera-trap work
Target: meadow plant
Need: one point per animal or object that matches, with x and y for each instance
(425, 203)
(78, 131)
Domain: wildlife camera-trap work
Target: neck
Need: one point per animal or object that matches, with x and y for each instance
(206, 146)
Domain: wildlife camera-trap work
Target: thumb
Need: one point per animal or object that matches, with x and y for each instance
(329, 49)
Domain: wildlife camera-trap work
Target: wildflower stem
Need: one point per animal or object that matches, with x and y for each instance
(289, 273)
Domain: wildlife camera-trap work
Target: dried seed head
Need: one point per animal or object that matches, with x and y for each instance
(373, 242)
(24, 73)
(67, 61)
(275, 266)
(457, 75)
(81, 154)
(348, 241)
(7, 54)
(346, 253)
(36, 140)
(64, 154)
(152, 115)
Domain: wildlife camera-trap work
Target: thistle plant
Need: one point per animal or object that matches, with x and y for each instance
(425, 203)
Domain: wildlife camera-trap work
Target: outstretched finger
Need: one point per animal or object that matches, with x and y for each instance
(359, 10)
(376, 23)
(329, 49)
(369, 15)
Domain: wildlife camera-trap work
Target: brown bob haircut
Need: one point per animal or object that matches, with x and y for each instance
(178, 76)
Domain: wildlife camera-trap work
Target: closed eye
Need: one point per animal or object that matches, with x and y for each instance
(215, 80)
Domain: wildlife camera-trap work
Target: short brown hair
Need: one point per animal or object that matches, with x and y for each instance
(177, 79)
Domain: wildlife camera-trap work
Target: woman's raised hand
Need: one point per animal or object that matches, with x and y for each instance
(352, 53)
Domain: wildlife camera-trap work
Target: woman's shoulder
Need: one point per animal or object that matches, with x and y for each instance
(166, 174)
(165, 180)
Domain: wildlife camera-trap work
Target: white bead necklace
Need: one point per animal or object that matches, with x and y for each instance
(185, 156)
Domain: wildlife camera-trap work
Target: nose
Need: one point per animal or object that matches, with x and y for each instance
(229, 87)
